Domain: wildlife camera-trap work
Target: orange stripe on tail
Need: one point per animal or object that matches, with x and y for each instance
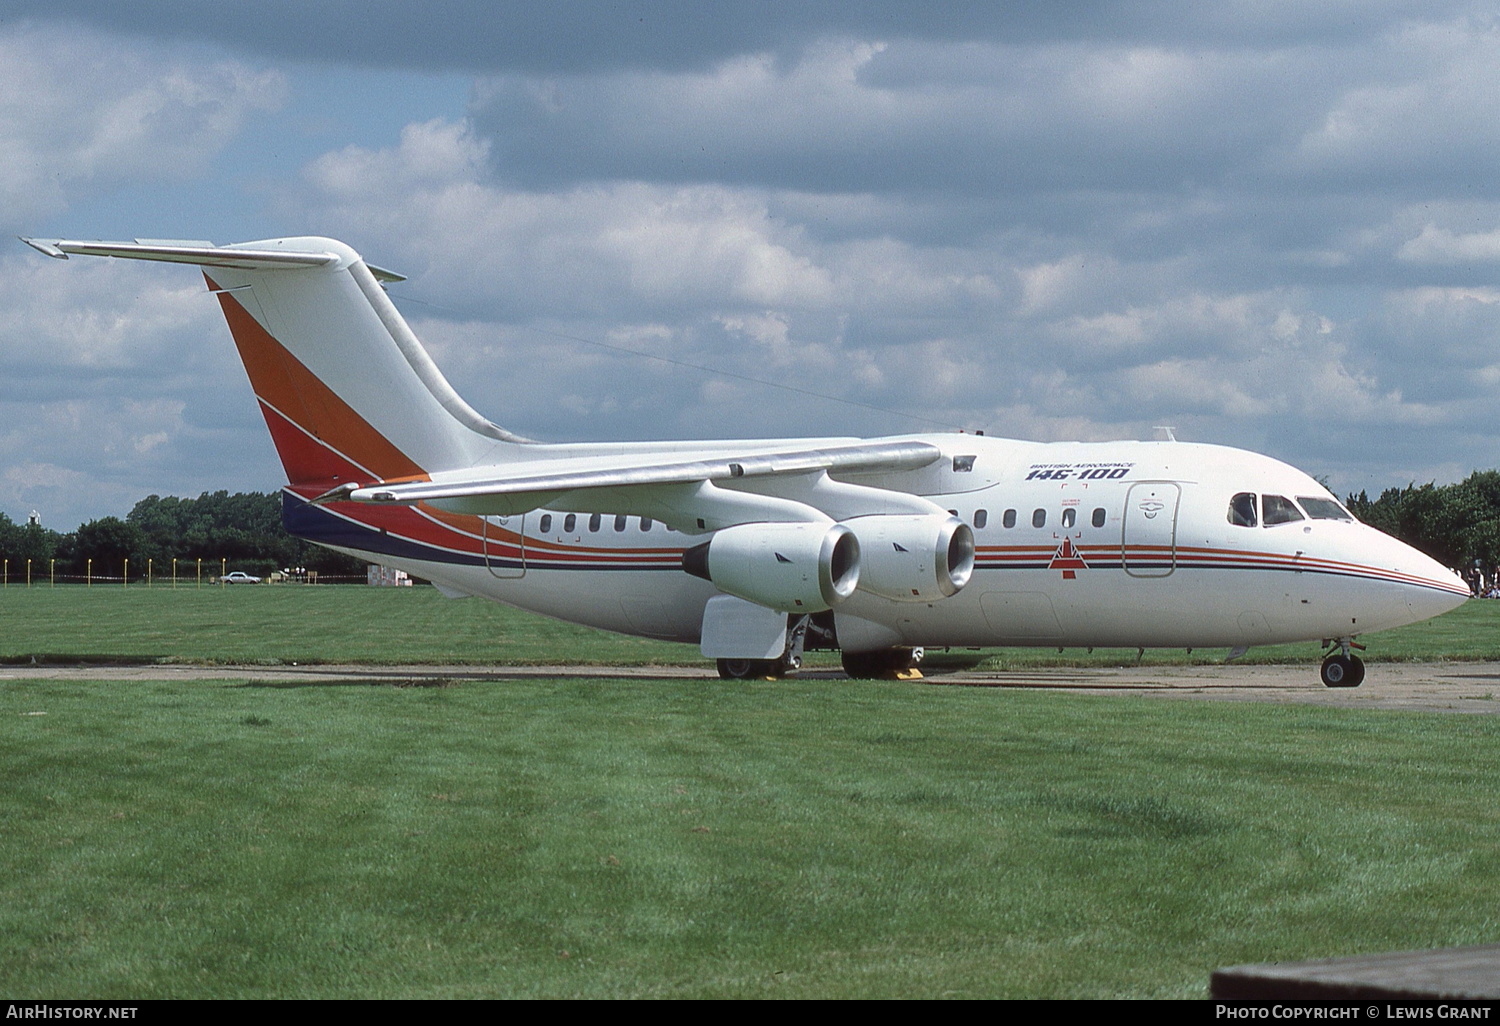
(283, 383)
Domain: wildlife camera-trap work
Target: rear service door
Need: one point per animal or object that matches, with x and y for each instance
(505, 545)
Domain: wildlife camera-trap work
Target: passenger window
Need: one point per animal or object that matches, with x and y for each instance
(1098, 520)
(570, 522)
(546, 524)
(645, 523)
(595, 520)
(1070, 515)
(981, 517)
(1039, 518)
(1009, 519)
(1278, 509)
(1324, 509)
(1242, 510)
(620, 519)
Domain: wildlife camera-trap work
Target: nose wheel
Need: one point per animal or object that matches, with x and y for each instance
(1342, 669)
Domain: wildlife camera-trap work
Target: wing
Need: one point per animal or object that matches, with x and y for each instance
(698, 490)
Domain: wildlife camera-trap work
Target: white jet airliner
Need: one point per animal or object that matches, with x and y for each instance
(759, 549)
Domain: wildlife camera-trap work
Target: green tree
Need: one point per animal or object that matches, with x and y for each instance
(243, 529)
(108, 542)
(18, 543)
(1455, 524)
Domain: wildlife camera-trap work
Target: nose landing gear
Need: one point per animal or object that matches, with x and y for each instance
(1341, 669)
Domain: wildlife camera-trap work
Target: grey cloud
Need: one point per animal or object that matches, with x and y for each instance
(118, 377)
(152, 117)
(1048, 224)
(1093, 343)
(592, 35)
(1034, 119)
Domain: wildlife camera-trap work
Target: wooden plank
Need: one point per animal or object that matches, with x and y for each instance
(1451, 973)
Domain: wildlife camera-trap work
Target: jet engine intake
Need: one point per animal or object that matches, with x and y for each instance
(914, 558)
(789, 567)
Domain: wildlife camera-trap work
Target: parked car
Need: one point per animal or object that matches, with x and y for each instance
(239, 577)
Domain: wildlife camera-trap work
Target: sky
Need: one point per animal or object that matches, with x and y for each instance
(1267, 224)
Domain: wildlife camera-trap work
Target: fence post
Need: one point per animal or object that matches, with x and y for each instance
(125, 576)
(200, 571)
(223, 571)
(28, 571)
(52, 573)
(148, 571)
(88, 573)
(174, 571)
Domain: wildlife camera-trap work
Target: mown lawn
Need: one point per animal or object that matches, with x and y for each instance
(303, 624)
(565, 838)
(393, 626)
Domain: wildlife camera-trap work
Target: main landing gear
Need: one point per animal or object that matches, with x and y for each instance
(1341, 669)
(787, 664)
(885, 664)
(817, 632)
(756, 669)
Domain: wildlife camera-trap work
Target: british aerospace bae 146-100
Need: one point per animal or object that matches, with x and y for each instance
(759, 549)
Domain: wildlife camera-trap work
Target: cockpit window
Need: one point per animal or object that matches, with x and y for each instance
(1242, 510)
(1323, 509)
(1278, 509)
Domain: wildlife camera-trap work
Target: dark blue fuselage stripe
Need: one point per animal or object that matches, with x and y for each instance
(315, 524)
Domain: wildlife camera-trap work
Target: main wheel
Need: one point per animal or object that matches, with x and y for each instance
(1341, 671)
(885, 662)
(861, 665)
(752, 669)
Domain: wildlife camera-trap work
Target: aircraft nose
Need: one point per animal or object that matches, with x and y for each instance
(1432, 588)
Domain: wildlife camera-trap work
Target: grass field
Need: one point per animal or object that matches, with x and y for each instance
(393, 626)
(697, 839)
(303, 624)
(691, 838)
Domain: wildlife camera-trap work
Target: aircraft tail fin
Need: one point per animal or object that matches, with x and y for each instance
(347, 390)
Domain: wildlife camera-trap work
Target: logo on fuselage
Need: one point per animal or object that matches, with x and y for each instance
(1078, 471)
(1068, 560)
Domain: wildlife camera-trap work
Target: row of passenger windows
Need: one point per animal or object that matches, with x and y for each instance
(1278, 509)
(1038, 517)
(568, 523)
(1243, 510)
(596, 522)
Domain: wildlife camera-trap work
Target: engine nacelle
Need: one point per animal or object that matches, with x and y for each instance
(914, 558)
(789, 567)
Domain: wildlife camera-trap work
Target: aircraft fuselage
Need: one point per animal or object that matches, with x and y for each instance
(1076, 544)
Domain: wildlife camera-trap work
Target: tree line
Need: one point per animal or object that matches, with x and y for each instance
(1454, 524)
(243, 529)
